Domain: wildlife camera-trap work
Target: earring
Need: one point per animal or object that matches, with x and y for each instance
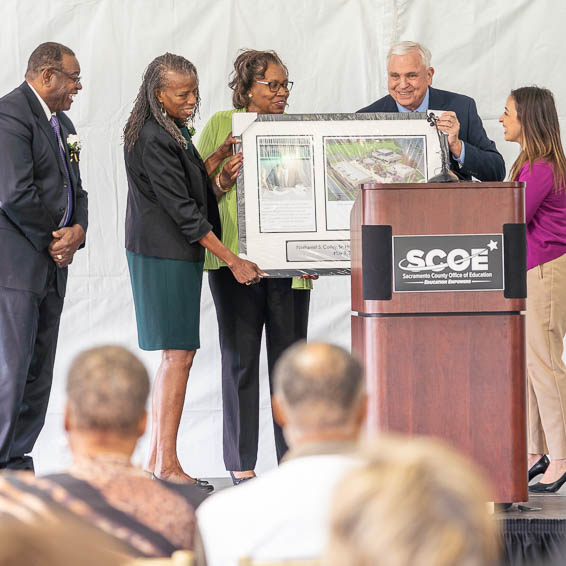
(162, 109)
(250, 94)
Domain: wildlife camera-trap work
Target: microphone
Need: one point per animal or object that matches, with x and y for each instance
(446, 175)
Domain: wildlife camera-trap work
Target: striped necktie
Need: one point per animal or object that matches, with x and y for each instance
(69, 211)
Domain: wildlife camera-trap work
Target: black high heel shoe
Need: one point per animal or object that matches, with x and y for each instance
(202, 484)
(539, 467)
(238, 481)
(548, 487)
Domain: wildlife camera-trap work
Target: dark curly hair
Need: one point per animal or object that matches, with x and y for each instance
(249, 66)
(147, 105)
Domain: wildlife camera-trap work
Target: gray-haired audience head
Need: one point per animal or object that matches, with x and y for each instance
(406, 47)
(107, 389)
(320, 390)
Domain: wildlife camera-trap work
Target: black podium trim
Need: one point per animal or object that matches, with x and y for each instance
(377, 262)
(515, 261)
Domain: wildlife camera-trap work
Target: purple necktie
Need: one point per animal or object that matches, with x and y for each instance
(57, 129)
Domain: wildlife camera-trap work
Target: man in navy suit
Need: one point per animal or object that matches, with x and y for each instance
(409, 80)
(43, 222)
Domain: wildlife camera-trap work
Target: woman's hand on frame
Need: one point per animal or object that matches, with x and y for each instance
(247, 272)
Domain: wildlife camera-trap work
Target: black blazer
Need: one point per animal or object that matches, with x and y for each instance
(171, 204)
(33, 195)
(482, 160)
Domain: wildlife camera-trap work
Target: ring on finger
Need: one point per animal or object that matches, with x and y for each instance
(59, 256)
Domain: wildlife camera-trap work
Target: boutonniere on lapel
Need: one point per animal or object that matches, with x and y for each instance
(74, 146)
(190, 126)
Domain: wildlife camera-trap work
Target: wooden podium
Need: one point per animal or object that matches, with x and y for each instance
(439, 329)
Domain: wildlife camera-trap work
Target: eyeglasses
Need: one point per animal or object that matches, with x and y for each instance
(274, 86)
(76, 80)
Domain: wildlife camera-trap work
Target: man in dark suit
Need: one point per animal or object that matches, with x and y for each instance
(409, 80)
(43, 221)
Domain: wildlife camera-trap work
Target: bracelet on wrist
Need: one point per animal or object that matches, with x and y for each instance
(219, 185)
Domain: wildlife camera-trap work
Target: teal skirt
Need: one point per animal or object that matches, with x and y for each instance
(167, 301)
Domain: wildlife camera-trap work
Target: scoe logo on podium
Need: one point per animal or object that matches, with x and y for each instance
(452, 262)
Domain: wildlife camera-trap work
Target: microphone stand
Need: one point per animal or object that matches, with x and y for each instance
(446, 175)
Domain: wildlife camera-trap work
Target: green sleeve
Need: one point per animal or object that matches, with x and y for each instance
(302, 284)
(213, 134)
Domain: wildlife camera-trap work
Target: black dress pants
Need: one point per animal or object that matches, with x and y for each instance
(29, 327)
(242, 312)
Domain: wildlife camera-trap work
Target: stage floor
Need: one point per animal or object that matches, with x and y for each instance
(553, 506)
(219, 483)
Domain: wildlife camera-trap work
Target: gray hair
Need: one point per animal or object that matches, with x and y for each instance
(146, 104)
(49, 54)
(107, 389)
(405, 47)
(320, 375)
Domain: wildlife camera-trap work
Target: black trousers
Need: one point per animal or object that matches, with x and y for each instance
(242, 312)
(29, 327)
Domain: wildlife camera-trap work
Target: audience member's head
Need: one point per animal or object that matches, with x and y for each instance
(414, 502)
(107, 389)
(319, 393)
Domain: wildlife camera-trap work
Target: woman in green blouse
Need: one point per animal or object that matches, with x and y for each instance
(260, 84)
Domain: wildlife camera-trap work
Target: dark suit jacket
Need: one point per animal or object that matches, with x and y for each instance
(482, 160)
(33, 196)
(171, 204)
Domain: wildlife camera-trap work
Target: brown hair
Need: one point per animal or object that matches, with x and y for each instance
(412, 502)
(540, 128)
(107, 388)
(249, 66)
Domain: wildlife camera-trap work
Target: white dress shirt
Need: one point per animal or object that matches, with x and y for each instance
(281, 515)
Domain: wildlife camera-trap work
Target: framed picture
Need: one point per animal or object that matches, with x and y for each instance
(302, 174)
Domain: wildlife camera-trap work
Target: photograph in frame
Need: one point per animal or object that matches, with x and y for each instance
(291, 220)
(286, 184)
(351, 161)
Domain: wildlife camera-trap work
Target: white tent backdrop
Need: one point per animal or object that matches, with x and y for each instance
(335, 51)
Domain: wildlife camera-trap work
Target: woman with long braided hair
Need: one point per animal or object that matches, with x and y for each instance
(171, 217)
